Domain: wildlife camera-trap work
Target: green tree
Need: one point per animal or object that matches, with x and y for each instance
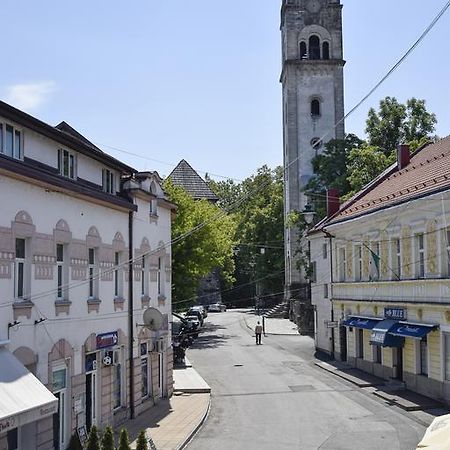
(142, 441)
(93, 441)
(204, 240)
(108, 439)
(228, 191)
(396, 123)
(124, 441)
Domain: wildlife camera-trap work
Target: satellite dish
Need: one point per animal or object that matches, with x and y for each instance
(153, 319)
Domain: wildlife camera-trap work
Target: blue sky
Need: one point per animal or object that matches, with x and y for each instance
(198, 79)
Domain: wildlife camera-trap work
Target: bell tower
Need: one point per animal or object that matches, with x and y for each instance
(313, 102)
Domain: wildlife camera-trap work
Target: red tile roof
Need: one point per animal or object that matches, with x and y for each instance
(427, 172)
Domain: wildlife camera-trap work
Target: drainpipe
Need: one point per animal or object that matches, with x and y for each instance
(130, 310)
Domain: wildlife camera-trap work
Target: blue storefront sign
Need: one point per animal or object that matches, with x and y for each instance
(395, 313)
(105, 340)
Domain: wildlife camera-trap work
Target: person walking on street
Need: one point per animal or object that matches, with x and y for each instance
(258, 333)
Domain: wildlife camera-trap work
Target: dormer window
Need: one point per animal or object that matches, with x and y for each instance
(108, 182)
(66, 163)
(11, 141)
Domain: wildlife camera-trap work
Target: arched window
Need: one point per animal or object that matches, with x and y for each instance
(303, 50)
(326, 50)
(314, 47)
(315, 108)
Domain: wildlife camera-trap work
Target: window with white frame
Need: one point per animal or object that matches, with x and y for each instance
(145, 370)
(396, 249)
(358, 263)
(109, 182)
(60, 271)
(342, 264)
(144, 275)
(118, 381)
(11, 141)
(66, 163)
(20, 269)
(420, 259)
(92, 273)
(324, 251)
(118, 275)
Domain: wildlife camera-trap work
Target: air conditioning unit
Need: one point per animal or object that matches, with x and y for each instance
(108, 358)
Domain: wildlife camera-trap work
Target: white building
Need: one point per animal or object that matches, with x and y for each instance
(390, 274)
(76, 225)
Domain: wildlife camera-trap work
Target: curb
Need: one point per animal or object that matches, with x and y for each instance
(197, 427)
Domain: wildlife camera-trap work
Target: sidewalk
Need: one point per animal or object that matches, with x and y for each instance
(172, 422)
(272, 326)
(426, 408)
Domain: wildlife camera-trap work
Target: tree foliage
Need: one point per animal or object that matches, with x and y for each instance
(93, 440)
(208, 246)
(124, 440)
(142, 441)
(108, 439)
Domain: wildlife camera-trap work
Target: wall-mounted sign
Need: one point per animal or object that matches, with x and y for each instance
(395, 313)
(105, 340)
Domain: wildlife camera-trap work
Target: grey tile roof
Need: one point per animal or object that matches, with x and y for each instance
(186, 177)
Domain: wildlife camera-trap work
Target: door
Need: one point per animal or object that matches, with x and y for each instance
(343, 342)
(399, 363)
(90, 399)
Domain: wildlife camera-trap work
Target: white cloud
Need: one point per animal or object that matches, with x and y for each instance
(29, 96)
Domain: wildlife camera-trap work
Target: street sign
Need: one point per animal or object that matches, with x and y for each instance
(331, 323)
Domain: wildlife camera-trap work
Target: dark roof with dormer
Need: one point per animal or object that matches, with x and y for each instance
(186, 177)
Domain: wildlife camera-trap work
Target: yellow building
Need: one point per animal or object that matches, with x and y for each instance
(390, 277)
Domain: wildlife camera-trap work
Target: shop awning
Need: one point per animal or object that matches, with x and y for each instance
(23, 398)
(411, 330)
(381, 334)
(361, 322)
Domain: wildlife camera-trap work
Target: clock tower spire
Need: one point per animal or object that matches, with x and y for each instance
(313, 103)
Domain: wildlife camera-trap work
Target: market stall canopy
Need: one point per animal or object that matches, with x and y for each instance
(366, 323)
(381, 334)
(23, 398)
(412, 330)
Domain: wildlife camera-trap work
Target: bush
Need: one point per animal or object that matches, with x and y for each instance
(108, 439)
(74, 443)
(124, 441)
(142, 441)
(93, 441)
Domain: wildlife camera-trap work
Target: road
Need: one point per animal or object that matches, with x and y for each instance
(273, 397)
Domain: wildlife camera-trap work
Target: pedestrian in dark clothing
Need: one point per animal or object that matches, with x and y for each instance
(258, 333)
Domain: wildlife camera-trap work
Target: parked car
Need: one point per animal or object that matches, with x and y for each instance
(196, 312)
(200, 308)
(195, 324)
(217, 307)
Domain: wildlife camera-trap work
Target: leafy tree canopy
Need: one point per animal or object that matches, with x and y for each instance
(199, 252)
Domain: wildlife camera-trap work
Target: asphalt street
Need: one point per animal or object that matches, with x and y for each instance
(272, 396)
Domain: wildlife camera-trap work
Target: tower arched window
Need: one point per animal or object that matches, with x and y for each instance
(303, 50)
(314, 47)
(315, 107)
(326, 50)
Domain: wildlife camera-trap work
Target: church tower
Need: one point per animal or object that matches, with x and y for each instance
(313, 102)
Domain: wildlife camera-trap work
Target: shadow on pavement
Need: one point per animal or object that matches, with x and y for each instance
(210, 337)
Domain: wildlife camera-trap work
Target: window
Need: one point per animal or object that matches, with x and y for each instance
(396, 259)
(20, 269)
(117, 276)
(117, 384)
(377, 354)
(108, 181)
(360, 343)
(358, 265)
(420, 262)
(66, 163)
(314, 47)
(315, 108)
(447, 244)
(144, 276)
(303, 50)
(325, 291)
(144, 370)
(325, 251)
(60, 270)
(326, 50)
(424, 356)
(11, 141)
(313, 276)
(159, 277)
(342, 264)
(447, 355)
(92, 272)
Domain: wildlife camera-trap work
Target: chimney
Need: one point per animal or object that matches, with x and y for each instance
(403, 156)
(333, 203)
